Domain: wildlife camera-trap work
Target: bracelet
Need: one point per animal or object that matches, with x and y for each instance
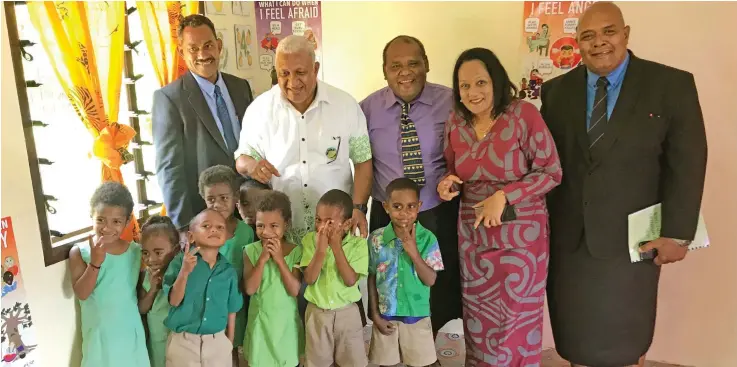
(94, 266)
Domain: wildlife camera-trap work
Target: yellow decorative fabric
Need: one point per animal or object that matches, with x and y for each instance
(85, 43)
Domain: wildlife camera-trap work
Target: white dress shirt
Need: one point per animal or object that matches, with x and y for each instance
(312, 151)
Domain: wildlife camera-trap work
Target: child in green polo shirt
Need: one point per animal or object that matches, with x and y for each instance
(202, 289)
(404, 257)
(333, 260)
(220, 189)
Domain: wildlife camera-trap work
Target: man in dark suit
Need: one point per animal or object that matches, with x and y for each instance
(196, 119)
(630, 134)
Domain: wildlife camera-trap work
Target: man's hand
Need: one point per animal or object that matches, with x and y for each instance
(262, 171)
(385, 327)
(359, 221)
(668, 251)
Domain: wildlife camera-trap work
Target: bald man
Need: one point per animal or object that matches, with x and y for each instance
(630, 134)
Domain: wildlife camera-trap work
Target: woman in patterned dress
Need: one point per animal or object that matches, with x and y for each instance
(499, 153)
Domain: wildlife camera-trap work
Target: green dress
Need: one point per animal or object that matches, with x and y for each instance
(157, 332)
(232, 250)
(112, 331)
(275, 334)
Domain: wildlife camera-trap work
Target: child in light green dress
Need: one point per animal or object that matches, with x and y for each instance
(219, 188)
(274, 333)
(160, 243)
(104, 276)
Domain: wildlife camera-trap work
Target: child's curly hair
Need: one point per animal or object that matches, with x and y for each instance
(276, 201)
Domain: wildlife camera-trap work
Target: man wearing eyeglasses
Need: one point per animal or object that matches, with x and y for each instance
(301, 137)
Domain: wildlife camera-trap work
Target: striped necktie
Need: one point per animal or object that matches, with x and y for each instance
(411, 154)
(230, 141)
(599, 118)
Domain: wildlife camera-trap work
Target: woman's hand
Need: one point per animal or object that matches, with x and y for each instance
(490, 210)
(445, 187)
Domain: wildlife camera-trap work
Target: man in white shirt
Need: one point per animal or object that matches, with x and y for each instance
(301, 136)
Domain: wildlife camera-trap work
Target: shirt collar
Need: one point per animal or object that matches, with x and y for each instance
(390, 98)
(389, 234)
(322, 95)
(614, 78)
(206, 86)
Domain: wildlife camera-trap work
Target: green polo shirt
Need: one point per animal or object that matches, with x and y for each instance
(329, 292)
(233, 252)
(401, 291)
(210, 295)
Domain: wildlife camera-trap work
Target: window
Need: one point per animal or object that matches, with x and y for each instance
(64, 173)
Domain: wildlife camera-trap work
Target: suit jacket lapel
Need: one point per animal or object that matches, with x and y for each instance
(198, 102)
(237, 94)
(621, 115)
(577, 87)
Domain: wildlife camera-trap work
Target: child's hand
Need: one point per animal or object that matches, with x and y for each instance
(323, 237)
(336, 236)
(154, 278)
(409, 240)
(385, 327)
(274, 249)
(265, 255)
(98, 251)
(190, 260)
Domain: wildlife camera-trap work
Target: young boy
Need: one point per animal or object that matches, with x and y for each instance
(250, 192)
(333, 261)
(403, 259)
(218, 186)
(202, 288)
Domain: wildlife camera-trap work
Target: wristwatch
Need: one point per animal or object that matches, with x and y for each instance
(362, 207)
(682, 243)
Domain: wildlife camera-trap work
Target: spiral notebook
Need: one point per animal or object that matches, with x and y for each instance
(644, 226)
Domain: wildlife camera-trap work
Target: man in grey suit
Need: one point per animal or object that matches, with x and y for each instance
(196, 119)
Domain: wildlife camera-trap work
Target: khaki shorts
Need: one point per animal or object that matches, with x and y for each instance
(334, 337)
(193, 350)
(410, 344)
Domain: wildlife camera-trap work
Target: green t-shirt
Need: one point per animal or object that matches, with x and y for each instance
(329, 292)
(232, 250)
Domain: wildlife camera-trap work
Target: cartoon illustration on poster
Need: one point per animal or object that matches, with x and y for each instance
(277, 19)
(549, 46)
(215, 7)
(221, 34)
(18, 336)
(243, 42)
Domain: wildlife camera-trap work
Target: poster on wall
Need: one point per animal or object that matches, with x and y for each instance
(223, 35)
(548, 46)
(243, 46)
(276, 20)
(242, 8)
(215, 7)
(18, 336)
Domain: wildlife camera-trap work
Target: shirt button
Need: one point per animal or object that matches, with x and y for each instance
(307, 206)
(304, 162)
(303, 139)
(208, 298)
(204, 319)
(303, 117)
(305, 185)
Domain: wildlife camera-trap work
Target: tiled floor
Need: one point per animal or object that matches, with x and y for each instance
(451, 352)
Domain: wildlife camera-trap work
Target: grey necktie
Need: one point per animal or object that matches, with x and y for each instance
(599, 119)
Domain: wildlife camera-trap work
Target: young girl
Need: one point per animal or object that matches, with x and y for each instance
(274, 332)
(104, 277)
(160, 241)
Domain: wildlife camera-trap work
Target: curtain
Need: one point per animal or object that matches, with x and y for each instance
(85, 43)
(160, 23)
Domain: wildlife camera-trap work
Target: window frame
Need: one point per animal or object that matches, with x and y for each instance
(56, 249)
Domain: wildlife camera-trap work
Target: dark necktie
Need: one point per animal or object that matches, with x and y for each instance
(224, 117)
(411, 154)
(598, 122)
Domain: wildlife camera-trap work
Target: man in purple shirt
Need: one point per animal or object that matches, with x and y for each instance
(406, 124)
